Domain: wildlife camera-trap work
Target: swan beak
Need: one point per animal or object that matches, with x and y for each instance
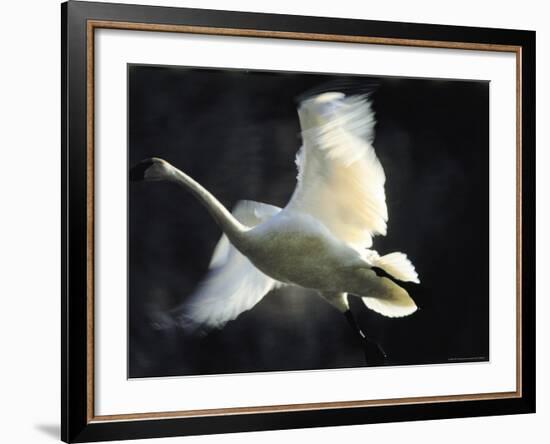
(137, 172)
(151, 169)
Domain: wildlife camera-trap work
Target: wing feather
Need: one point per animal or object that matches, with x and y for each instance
(233, 284)
(340, 179)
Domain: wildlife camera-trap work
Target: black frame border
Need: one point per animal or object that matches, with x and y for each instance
(75, 424)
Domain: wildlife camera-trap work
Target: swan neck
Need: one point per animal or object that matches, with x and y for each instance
(235, 231)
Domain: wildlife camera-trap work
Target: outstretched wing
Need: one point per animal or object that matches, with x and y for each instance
(340, 179)
(233, 284)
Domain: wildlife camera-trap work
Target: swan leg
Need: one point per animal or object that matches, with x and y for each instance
(374, 354)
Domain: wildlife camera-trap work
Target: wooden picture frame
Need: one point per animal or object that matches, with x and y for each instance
(80, 20)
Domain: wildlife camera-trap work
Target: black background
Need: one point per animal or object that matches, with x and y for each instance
(237, 133)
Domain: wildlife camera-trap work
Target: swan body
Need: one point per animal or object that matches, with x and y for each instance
(320, 240)
(290, 234)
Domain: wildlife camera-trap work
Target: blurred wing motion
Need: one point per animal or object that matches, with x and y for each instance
(233, 284)
(340, 179)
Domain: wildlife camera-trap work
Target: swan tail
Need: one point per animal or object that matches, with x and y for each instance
(389, 299)
(398, 266)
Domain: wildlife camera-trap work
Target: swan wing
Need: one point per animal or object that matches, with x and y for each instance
(340, 179)
(225, 293)
(233, 284)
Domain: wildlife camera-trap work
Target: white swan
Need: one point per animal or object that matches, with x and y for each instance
(319, 240)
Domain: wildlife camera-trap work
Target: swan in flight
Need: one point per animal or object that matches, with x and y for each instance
(320, 240)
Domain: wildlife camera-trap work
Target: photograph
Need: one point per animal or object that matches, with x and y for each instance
(287, 221)
(277, 221)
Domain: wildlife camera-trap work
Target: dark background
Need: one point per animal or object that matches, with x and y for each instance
(237, 133)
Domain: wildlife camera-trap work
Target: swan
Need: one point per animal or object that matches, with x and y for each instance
(320, 240)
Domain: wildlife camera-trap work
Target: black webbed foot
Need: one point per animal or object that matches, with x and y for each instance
(374, 353)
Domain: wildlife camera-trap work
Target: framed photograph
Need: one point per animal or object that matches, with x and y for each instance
(277, 221)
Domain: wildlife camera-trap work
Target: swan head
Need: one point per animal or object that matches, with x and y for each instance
(152, 169)
(320, 109)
